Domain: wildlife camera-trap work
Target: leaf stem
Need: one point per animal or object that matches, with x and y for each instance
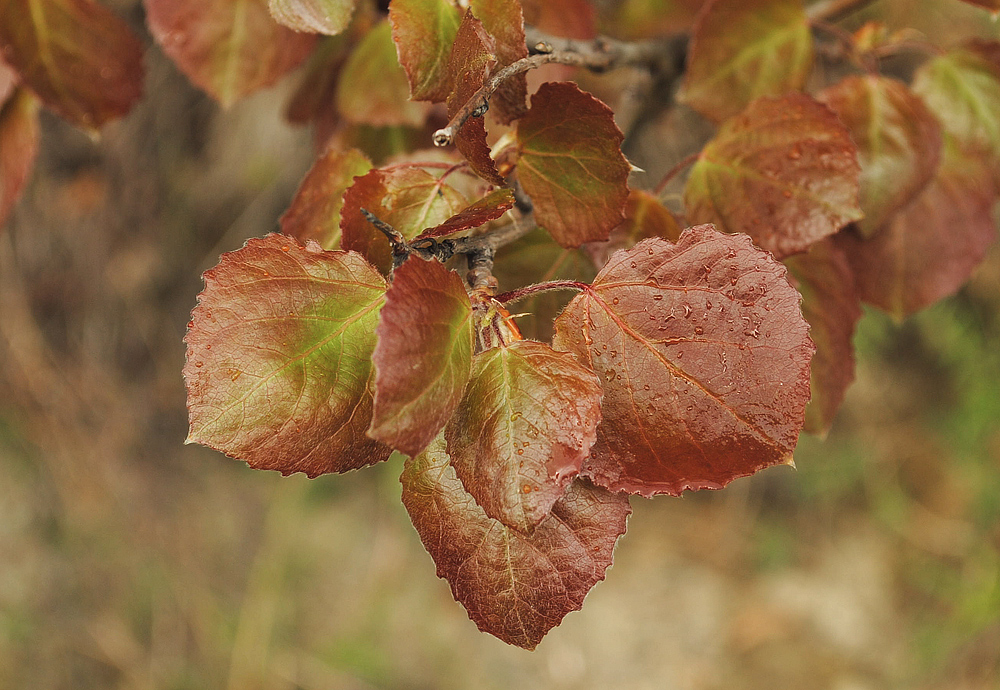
(672, 173)
(528, 290)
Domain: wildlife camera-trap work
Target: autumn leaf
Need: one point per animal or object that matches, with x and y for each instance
(18, 147)
(490, 207)
(514, 586)
(703, 355)
(522, 430)
(993, 5)
(315, 210)
(784, 171)
(569, 18)
(79, 58)
(315, 98)
(423, 357)
(424, 31)
(743, 49)
(229, 48)
(8, 80)
(638, 19)
(571, 165)
(314, 16)
(898, 140)
(831, 306)
(645, 217)
(504, 21)
(279, 348)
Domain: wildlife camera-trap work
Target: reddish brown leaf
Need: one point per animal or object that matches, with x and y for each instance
(704, 358)
(423, 357)
(514, 586)
(929, 249)
(313, 16)
(229, 48)
(784, 171)
(830, 304)
(424, 31)
(473, 57)
(505, 23)
(522, 430)
(569, 18)
(571, 164)
(18, 147)
(645, 217)
(898, 140)
(81, 60)
(279, 348)
(315, 210)
(373, 89)
(409, 199)
(743, 49)
(490, 207)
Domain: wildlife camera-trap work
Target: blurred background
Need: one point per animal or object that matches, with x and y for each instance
(129, 560)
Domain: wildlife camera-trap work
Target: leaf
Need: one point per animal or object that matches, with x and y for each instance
(962, 88)
(522, 430)
(424, 31)
(279, 348)
(504, 21)
(373, 89)
(315, 210)
(472, 58)
(490, 207)
(8, 80)
(409, 199)
(571, 164)
(993, 5)
(313, 16)
(830, 304)
(514, 586)
(784, 171)
(79, 58)
(898, 140)
(639, 19)
(423, 357)
(229, 48)
(704, 358)
(645, 217)
(743, 49)
(315, 98)
(569, 18)
(929, 249)
(18, 147)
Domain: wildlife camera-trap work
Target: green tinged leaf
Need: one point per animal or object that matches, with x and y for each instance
(571, 165)
(229, 48)
(639, 19)
(81, 60)
(898, 140)
(703, 355)
(490, 207)
(18, 147)
(279, 370)
(522, 430)
(743, 49)
(313, 16)
(424, 31)
(514, 586)
(423, 357)
(784, 171)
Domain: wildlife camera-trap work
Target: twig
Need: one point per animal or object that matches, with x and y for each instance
(528, 290)
(672, 173)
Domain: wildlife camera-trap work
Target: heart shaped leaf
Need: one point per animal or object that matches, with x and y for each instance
(18, 147)
(313, 16)
(424, 31)
(522, 430)
(704, 358)
(514, 586)
(423, 357)
(279, 348)
(785, 172)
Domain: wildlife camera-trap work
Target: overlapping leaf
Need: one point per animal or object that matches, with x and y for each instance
(315, 16)
(423, 357)
(571, 165)
(81, 60)
(490, 207)
(784, 171)
(743, 49)
(704, 358)
(830, 304)
(409, 199)
(229, 48)
(514, 586)
(315, 210)
(898, 140)
(645, 217)
(522, 430)
(18, 147)
(929, 249)
(504, 21)
(424, 31)
(279, 370)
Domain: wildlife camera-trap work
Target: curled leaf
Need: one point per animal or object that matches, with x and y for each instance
(424, 31)
(703, 355)
(490, 207)
(314, 16)
(279, 349)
